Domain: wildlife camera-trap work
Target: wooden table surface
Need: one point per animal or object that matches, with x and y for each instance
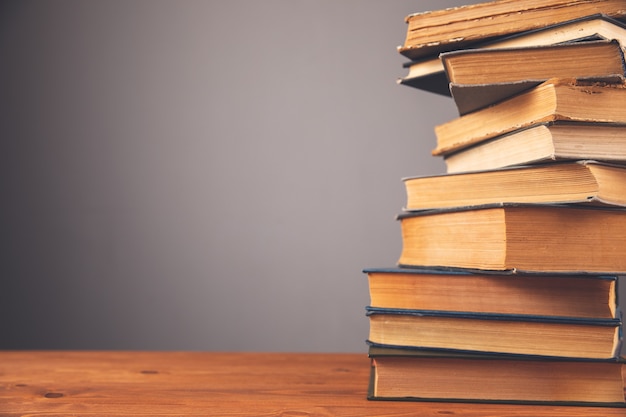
(119, 383)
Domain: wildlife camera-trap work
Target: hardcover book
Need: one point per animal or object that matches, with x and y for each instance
(419, 375)
(553, 100)
(563, 295)
(431, 32)
(481, 77)
(541, 143)
(581, 182)
(428, 74)
(517, 334)
(528, 237)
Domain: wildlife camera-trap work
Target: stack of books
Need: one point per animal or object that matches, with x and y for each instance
(505, 290)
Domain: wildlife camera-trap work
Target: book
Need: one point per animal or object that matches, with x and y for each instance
(431, 32)
(481, 77)
(543, 143)
(553, 100)
(584, 59)
(580, 182)
(549, 336)
(564, 295)
(526, 237)
(418, 375)
(428, 73)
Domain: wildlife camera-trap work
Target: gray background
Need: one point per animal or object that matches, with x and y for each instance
(203, 175)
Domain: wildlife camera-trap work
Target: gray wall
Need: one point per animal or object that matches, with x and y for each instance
(204, 175)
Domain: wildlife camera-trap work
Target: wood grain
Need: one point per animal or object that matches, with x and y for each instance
(118, 383)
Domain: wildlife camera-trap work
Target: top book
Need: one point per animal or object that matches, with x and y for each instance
(428, 74)
(432, 32)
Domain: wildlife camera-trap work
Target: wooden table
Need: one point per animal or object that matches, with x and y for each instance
(117, 383)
